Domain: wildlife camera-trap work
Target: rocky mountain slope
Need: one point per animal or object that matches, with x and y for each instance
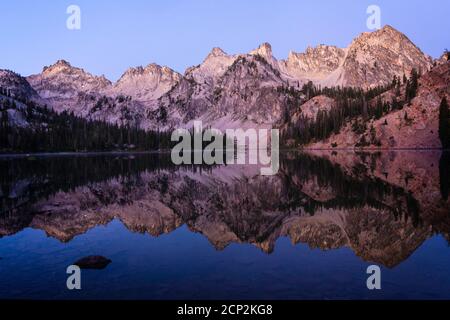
(246, 94)
(67, 88)
(315, 64)
(145, 84)
(374, 58)
(63, 86)
(15, 92)
(193, 95)
(415, 125)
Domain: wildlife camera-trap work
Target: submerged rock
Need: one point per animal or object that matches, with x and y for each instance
(93, 262)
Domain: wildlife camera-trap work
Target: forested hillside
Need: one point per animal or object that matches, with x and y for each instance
(28, 127)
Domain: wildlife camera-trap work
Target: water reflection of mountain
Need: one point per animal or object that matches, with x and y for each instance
(381, 205)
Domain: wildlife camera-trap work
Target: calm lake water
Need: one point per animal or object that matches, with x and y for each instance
(225, 232)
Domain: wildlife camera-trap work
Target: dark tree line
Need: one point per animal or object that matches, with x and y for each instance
(48, 131)
(5, 92)
(350, 104)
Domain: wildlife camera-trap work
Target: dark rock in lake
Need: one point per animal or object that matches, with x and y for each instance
(93, 262)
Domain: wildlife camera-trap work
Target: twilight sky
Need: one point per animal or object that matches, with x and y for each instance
(119, 34)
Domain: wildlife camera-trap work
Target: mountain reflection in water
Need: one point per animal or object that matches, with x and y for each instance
(382, 205)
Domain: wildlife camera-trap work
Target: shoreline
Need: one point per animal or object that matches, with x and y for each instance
(99, 153)
(78, 154)
(374, 149)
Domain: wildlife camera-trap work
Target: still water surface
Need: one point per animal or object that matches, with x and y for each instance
(225, 232)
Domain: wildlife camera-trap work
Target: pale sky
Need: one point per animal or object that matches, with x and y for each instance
(119, 34)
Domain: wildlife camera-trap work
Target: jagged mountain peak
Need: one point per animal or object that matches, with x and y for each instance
(62, 62)
(68, 88)
(315, 62)
(372, 58)
(217, 52)
(385, 36)
(321, 48)
(264, 50)
(388, 30)
(59, 66)
(212, 67)
(63, 71)
(146, 84)
(132, 71)
(151, 68)
(375, 57)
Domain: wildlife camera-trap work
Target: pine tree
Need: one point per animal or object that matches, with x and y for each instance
(397, 89)
(444, 124)
(394, 81)
(412, 85)
(408, 91)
